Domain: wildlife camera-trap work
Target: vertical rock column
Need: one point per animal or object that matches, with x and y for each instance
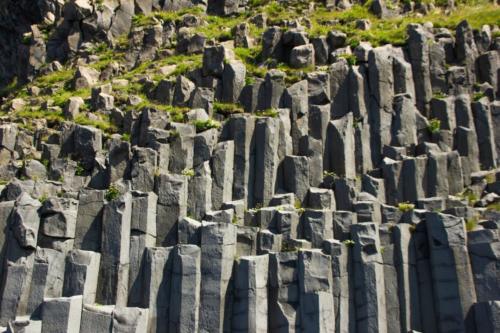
(172, 191)
(81, 275)
(22, 239)
(62, 315)
(316, 299)
(185, 289)
(242, 132)
(222, 166)
(283, 292)
(452, 277)
(343, 293)
(115, 250)
(142, 235)
(408, 288)
(250, 295)
(368, 279)
(218, 249)
(266, 159)
(156, 281)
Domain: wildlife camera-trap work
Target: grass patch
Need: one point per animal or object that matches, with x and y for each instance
(434, 126)
(203, 125)
(406, 207)
(112, 193)
(102, 124)
(227, 108)
(272, 113)
(472, 223)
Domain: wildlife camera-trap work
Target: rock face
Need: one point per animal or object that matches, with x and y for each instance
(160, 172)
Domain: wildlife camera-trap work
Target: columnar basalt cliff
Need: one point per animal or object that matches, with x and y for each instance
(249, 166)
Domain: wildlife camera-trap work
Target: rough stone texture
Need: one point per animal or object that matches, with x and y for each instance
(158, 175)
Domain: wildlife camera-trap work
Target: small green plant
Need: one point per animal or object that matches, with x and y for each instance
(112, 193)
(328, 174)
(188, 172)
(44, 197)
(490, 178)
(472, 223)
(174, 134)
(349, 243)
(287, 247)
(45, 163)
(351, 59)
(494, 206)
(234, 220)
(227, 108)
(439, 95)
(126, 137)
(477, 96)
(470, 196)
(405, 207)
(434, 125)
(80, 170)
(272, 113)
(203, 125)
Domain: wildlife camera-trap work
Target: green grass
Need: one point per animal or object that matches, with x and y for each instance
(434, 125)
(102, 124)
(203, 125)
(472, 223)
(272, 113)
(227, 108)
(494, 206)
(405, 207)
(112, 193)
(188, 172)
(51, 116)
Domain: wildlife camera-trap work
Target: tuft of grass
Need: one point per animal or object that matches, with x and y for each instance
(188, 172)
(126, 137)
(405, 207)
(472, 223)
(469, 195)
(272, 113)
(51, 116)
(79, 171)
(227, 108)
(112, 193)
(349, 242)
(494, 206)
(351, 59)
(434, 126)
(203, 125)
(102, 124)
